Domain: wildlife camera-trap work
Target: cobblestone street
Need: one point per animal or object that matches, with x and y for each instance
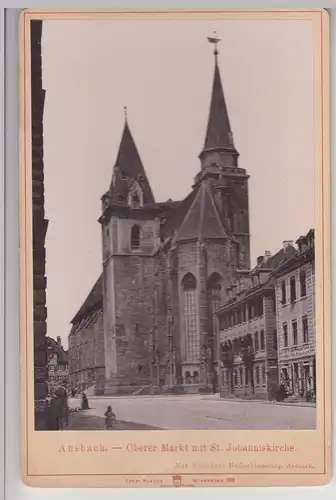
(86, 421)
(193, 412)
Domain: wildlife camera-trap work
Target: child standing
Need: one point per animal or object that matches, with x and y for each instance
(109, 418)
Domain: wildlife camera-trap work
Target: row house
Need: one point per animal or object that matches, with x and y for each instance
(58, 373)
(248, 332)
(295, 305)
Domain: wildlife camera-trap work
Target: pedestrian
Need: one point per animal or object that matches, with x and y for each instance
(85, 402)
(109, 418)
(63, 407)
(281, 394)
(53, 413)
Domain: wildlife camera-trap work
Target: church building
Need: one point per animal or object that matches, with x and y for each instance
(149, 323)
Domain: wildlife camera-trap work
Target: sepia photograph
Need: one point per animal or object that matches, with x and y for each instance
(176, 177)
(180, 277)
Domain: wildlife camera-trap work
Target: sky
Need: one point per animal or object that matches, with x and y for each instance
(162, 71)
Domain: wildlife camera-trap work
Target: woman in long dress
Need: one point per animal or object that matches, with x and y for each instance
(85, 402)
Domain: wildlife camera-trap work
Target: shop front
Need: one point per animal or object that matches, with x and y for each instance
(297, 372)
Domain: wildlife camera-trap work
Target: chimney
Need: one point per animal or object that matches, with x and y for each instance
(260, 260)
(268, 255)
(59, 341)
(288, 243)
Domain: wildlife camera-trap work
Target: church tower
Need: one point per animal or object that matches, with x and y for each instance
(167, 267)
(219, 162)
(211, 243)
(130, 236)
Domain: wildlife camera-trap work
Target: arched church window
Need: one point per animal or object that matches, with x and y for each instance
(189, 282)
(195, 377)
(135, 237)
(214, 286)
(192, 341)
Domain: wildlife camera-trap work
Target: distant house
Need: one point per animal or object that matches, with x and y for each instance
(295, 303)
(58, 372)
(248, 335)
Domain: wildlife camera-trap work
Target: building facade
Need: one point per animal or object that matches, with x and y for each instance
(58, 373)
(166, 267)
(295, 303)
(248, 336)
(40, 225)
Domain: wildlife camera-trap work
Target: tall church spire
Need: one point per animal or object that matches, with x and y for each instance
(219, 134)
(129, 170)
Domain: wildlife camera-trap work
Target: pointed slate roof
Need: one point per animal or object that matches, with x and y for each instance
(202, 220)
(128, 168)
(218, 134)
(176, 215)
(92, 302)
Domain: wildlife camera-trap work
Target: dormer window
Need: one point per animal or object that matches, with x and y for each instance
(135, 196)
(135, 200)
(135, 237)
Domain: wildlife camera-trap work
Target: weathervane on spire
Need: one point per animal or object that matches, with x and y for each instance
(215, 40)
(125, 111)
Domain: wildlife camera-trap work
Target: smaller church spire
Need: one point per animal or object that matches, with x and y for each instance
(129, 168)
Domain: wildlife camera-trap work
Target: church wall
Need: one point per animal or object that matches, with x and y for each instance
(109, 319)
(83, 343)
(149, 235)
(239, 215)
(219, 257)
(128, 293)
(110, 237)
(170, 277)
(187, 259)
(99, 354)
(139, 290)
(164, 301)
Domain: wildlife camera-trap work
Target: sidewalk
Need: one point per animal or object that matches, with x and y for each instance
(85, 421)
(216, 397)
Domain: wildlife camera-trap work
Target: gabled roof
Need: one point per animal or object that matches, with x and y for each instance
(218, 134)
(92, 302)
(278, 259)
(202, 220)
(298, 258)
(176, 215)
(272, 264)
(128, 167)
(53, 346)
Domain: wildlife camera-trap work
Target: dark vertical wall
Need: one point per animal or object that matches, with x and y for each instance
(39, 228)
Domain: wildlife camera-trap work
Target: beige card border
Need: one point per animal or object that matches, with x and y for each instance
(39, 450)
